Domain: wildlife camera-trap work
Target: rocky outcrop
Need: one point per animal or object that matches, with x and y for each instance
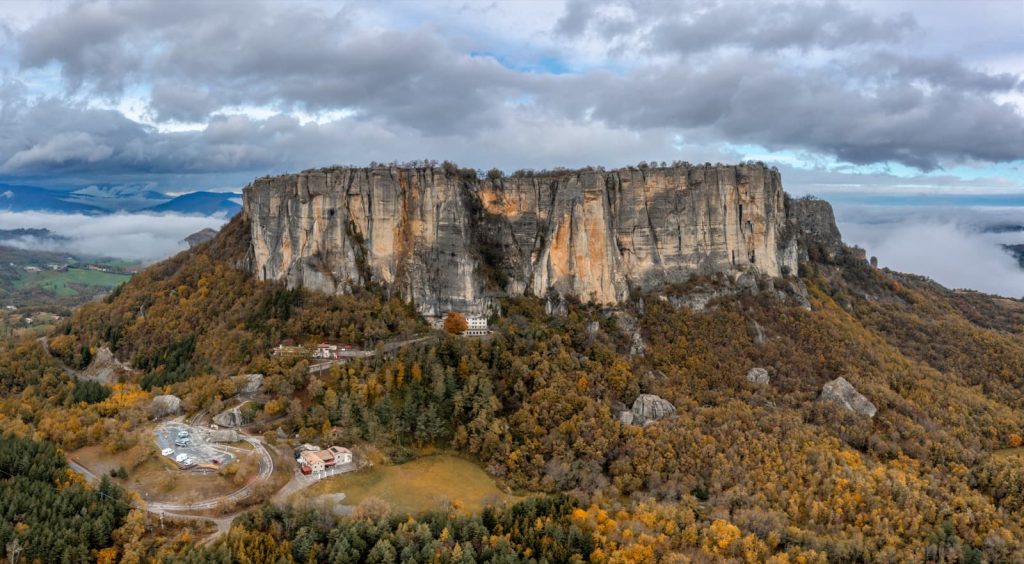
(162, 406)
(448, 240)
(816, 224)
(757, 333)
(758, 376)
(105, 368)
(647, 408)
(842, 392)
(200, 237)
(229, 418)
(249, 383)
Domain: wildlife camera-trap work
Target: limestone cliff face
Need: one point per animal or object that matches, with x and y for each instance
(447, 240)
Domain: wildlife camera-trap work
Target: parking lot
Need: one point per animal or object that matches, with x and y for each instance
(199, 449)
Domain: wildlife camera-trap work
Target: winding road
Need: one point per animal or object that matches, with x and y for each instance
(241, 494)
(384, 350)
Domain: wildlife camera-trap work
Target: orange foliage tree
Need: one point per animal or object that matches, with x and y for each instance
(455, 323)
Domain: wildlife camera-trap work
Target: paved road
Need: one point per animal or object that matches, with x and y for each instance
(241, 494)
(89, 476)
(302, 481)
(385, 349)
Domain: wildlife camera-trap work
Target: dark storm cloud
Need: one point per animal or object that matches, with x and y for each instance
(740, 72)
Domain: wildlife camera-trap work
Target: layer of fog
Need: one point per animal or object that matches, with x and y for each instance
(950, 245)
(135, 236)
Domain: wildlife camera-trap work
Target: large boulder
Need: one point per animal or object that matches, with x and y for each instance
(637, 347)
(758, 376)
(229, 418)
(841, 392)
(249, 383)
(647, 408)
(162, 406)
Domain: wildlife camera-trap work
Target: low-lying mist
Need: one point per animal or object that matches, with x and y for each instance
(134, 236)
(956, 247)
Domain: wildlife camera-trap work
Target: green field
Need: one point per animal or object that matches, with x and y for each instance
(425, 484)
(71, 282)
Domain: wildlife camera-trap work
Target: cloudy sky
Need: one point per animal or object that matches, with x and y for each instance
(858, 99)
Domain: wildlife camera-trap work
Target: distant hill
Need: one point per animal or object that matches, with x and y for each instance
(202, 203)
(101, 200)
(200, 237)
(30, 234)
(118, 198)
(32, 198)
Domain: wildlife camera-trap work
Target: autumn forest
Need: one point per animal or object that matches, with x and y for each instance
(742, 471)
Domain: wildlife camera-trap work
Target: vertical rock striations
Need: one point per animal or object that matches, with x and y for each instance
(448, 240)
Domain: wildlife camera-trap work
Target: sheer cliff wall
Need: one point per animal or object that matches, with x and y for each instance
(448, 240)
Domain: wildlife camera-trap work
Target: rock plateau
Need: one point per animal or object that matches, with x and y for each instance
(447, 239)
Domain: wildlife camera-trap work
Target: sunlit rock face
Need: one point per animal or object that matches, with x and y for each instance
(445, 239)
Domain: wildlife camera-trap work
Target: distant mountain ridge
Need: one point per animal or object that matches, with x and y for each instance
(203, 203)
(41, 234)
(102, 200)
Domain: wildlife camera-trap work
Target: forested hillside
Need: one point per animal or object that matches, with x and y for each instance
(46, 513)
(742, 470)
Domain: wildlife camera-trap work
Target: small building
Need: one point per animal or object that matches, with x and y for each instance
(181, 458)
(326, 351)
(167, 451)
(341, 455)
(312, 461)
(476, 326)
(320, 460)
(33, 269)
(287, 350)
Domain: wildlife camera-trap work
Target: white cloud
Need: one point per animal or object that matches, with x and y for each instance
(948, 245)
(145, 237)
